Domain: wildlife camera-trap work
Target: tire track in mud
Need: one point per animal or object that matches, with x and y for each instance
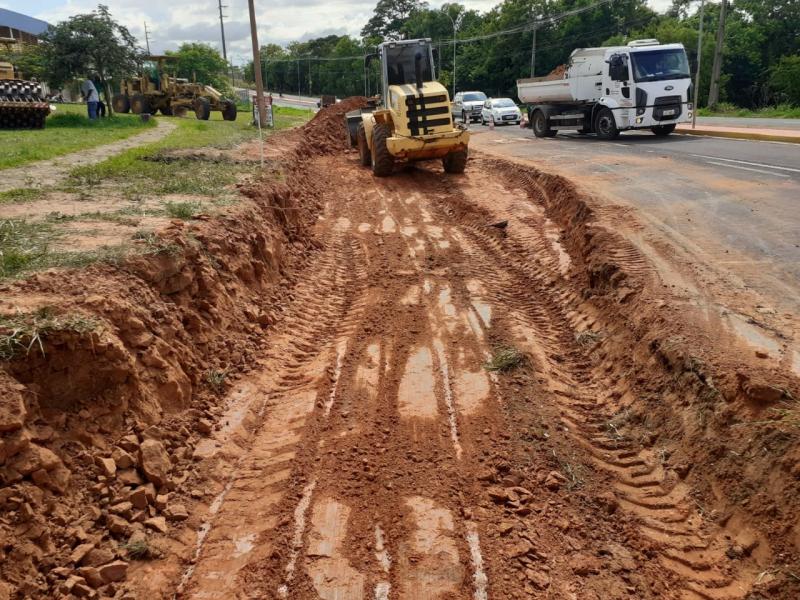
(363, 476)
(548, 314)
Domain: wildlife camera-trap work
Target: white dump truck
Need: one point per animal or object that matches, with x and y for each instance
(644, 85)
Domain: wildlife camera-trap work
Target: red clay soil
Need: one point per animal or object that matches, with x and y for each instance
(293, 401)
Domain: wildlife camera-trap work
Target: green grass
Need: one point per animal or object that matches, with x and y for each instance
(725, 109)
(145, 170)
(19, 195)
(183, 210)
(23, 332)
(505, 359)
(67, 130)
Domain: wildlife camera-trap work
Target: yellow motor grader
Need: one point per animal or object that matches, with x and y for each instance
(157, 91)
(413, 121)
(22, 103)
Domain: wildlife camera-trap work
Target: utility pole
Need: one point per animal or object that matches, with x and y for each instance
(533, 52)
(699, 56)
(713, 92)
(455, 23)
(147, 38)
(262, 111)
(298, 79)
(224, 46)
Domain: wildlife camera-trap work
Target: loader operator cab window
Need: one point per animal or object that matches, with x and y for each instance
(400, 63)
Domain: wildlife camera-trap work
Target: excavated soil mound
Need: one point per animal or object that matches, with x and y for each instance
(109, 375)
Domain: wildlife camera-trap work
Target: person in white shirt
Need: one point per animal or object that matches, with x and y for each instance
(91, 96)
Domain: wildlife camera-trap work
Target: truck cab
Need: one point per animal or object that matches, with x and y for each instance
(644, 85)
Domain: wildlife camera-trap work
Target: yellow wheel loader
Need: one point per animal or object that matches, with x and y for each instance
(413, 120)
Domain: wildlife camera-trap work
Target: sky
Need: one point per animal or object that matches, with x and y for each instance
(279, 21)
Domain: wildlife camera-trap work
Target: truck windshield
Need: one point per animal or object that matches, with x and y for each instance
(655, 65)
(474, 97)
(400, 63)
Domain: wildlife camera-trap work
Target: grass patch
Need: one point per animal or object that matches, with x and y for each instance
(588, 337)
(216, 379)
(183, 210)
(152, 244)
(143, 171)
(20, 195)
(725, 109)
(67, 130)
(140, 550)
(22, 333)
(504, 359)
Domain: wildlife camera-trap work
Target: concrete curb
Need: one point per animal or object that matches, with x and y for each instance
(790, 137)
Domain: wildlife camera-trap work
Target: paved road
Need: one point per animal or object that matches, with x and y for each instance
(734, 204)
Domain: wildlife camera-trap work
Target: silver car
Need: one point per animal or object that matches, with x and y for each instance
(500, 111)
(467, 106)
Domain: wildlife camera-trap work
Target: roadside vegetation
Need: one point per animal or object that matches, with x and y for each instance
(68, 130)
(725, 109)
(105, 211)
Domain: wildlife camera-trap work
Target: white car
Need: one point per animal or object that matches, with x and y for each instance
(499, 111)
(467, 106)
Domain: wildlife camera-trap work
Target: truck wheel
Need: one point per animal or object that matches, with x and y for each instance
(663, 130)
(202, 109)
(140, 104)
(604, 124)
(541, 127)
(455, 162)
(382, 160)
(229, 110)
(363, 148)
(121, 104)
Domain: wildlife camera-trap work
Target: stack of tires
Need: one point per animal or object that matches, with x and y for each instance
(22, 104)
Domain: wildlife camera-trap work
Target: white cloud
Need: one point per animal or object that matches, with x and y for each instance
(280, 21)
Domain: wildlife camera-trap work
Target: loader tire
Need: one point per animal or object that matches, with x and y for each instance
(541, 125)
(382, 160)
(166, 110)
(202, 109)
(604, 124)
(455, 162)
(363, 148)
(229, 111)
(121, 104)
(140, 104)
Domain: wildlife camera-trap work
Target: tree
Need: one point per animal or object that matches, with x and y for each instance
(201, 62)
(86, 44)
(784, 79)
(28, 59)
(389, 17)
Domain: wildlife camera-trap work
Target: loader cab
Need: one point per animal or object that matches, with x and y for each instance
(403, 62)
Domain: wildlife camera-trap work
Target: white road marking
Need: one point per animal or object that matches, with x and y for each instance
(744, 162)
(762, 171)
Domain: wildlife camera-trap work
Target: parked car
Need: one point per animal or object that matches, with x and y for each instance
(499, 111)
(468, 105)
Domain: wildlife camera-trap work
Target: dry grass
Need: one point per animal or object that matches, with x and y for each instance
(505, 358)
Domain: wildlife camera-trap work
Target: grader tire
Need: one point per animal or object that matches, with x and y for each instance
(140, 105)
(382, 160)
(202, 109)
(363, 148)
(455, 162)
(121, 104)
(229, 110)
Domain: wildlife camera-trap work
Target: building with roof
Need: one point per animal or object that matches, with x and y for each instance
(21, 27)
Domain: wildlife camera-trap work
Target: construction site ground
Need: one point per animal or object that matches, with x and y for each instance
(505, 384)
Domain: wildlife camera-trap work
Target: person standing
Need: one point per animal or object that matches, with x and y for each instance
(91, 96)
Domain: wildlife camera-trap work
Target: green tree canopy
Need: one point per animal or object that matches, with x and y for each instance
(203, 62)
(389, 17)
(86, 44)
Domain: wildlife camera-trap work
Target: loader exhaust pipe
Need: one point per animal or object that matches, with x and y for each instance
(418, 69)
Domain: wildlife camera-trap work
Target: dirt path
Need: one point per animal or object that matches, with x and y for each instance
(50, 172)
(373, 456)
